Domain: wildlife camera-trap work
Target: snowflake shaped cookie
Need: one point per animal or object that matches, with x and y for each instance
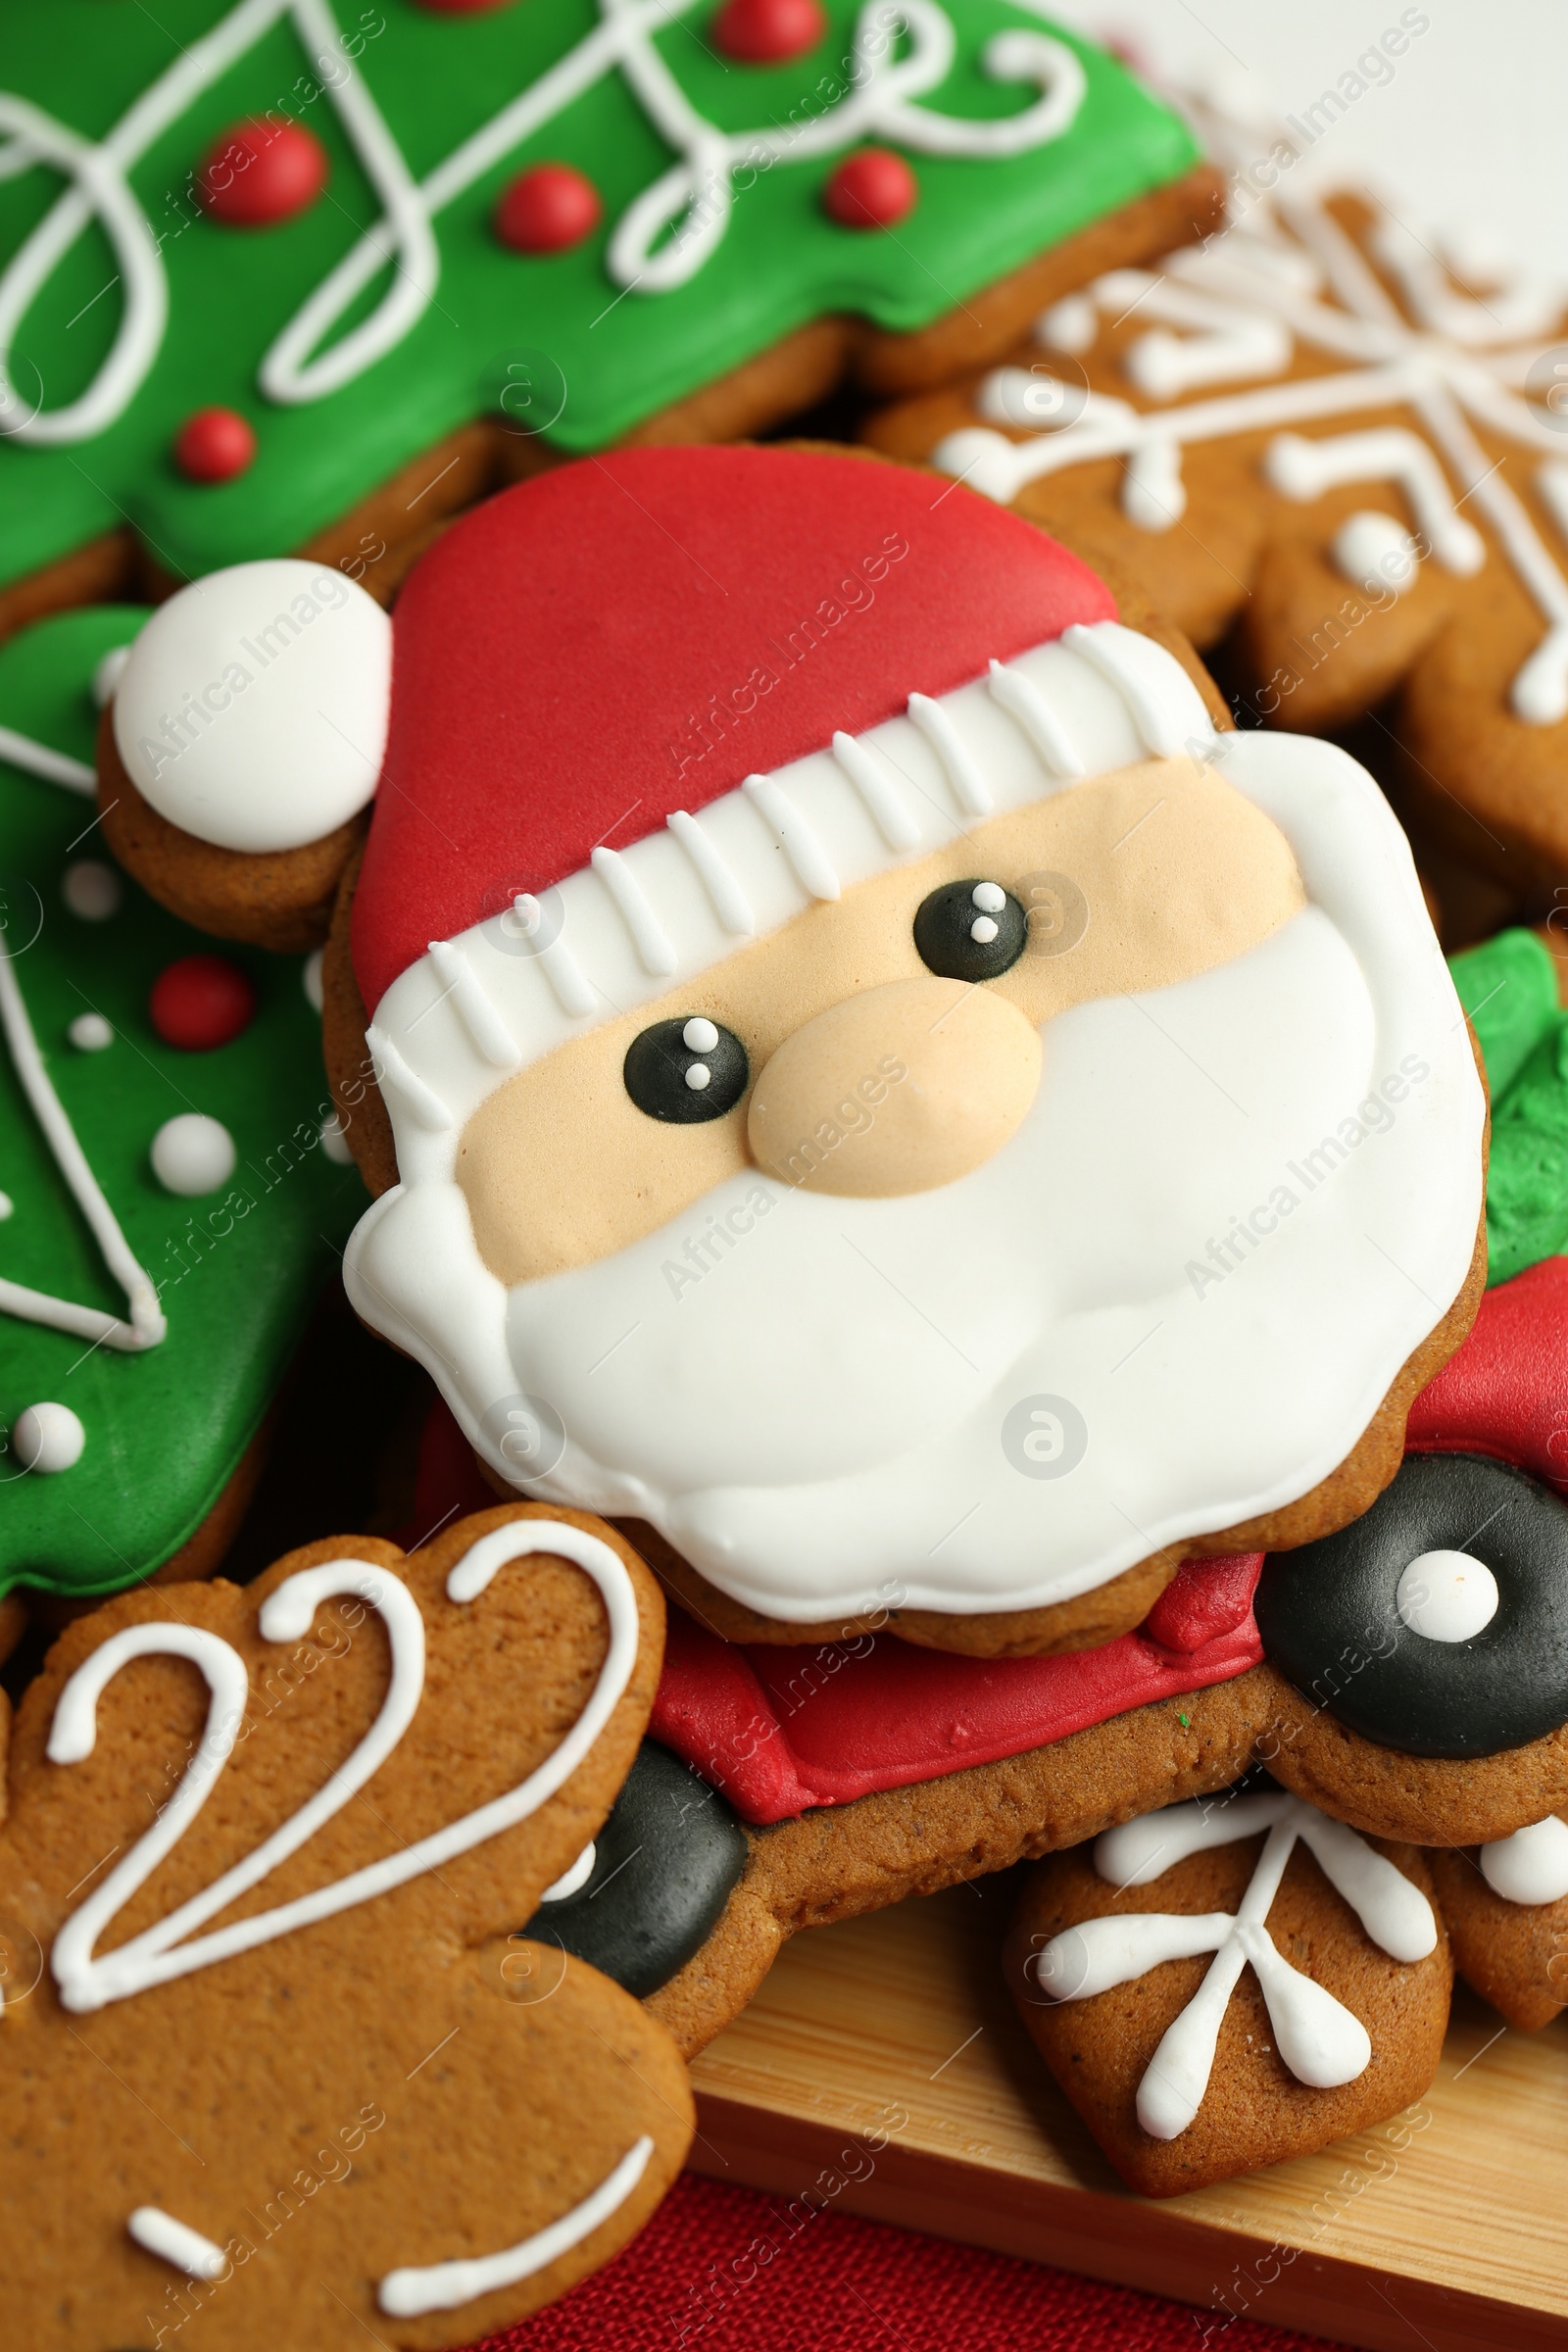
(1186, 2080)
(1315, 428)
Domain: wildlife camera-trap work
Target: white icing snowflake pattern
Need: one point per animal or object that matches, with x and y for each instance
(1322, 2042)
(661, 240)
(1286, 276)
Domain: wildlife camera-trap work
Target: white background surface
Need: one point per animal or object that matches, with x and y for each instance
(1472, 130)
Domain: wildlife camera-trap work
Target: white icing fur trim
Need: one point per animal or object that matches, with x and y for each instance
(1322, 2042)
(401, 1087)
(694, 196)
(160, 1953)
(1097, 702)
(555, 959)
(252, 710)
(968, 787)
(479, 1015)
(147, 1326)
(1017, 696)
(1288, 274)
(445, 2285)
(730, 903)
(896, 821)
(1137, 670)
(795, 835)
(654, 950)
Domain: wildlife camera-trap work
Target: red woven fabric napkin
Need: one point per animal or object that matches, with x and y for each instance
(722, 2270)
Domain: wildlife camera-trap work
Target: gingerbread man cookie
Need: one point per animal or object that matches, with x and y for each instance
(644, 220)
(282, 2061)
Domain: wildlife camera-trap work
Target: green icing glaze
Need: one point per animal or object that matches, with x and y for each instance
(237, 1272)
(1526, 1185)
(1509, 990)
(606, 357)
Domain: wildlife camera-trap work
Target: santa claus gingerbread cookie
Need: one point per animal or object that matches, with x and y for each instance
(881, 1095)
(349, 267)
(1407, 1681)
(274, 2059)
(1339, 435)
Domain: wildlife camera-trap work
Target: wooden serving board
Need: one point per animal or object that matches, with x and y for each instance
(883, 2069)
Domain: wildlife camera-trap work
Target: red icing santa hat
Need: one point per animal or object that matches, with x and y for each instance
(649, 707)
(626, 638)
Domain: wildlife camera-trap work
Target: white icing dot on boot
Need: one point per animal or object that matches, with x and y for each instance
(47, 1438)
(192, 1155)
(90, 1033)
(1447, 1597)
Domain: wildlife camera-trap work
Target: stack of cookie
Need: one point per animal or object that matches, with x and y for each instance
(933, 1187)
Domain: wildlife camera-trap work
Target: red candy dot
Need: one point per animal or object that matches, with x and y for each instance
(214, 445)
(261, 173)
(547, 208)
(872, 189)
(201, 1002)
(764, 33)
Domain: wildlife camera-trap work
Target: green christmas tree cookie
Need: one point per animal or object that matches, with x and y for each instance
(256, 259)
(170, 1212)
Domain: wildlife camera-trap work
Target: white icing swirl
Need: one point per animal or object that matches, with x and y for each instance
(692, 198)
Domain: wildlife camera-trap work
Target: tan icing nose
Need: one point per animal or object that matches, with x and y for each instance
(897, 1090)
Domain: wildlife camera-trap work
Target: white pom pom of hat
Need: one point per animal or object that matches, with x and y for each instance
(252, 710)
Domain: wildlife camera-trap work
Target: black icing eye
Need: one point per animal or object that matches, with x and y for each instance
(686, 1071)
(1438, 1622)
(970, 931)
(663, 1868)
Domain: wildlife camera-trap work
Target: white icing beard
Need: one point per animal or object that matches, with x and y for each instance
(858, 1402)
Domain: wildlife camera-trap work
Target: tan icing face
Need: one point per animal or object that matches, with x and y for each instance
(868, 1075)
